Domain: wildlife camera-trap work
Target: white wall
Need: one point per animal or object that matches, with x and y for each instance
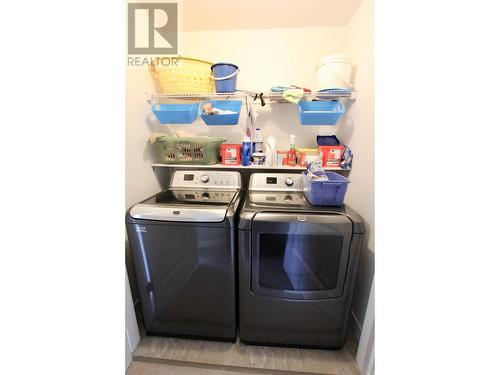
(140, 181)
(267, 57)
(357, 130)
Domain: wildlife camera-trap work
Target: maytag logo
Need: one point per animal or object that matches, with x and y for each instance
(140, 229)
(152, 28)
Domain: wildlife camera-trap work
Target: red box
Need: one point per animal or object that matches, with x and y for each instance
(331, 155)
(230, 154)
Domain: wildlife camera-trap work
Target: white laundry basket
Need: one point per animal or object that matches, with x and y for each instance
(334, 72)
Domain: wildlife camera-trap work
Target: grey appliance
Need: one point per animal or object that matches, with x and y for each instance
(183, 243)
(297, 264)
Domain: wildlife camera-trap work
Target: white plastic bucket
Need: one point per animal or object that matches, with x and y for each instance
(334, 72)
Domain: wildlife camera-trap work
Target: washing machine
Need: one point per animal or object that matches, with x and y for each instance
(297, 265)
(183, 245)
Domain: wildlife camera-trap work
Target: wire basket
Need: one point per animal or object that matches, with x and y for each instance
(189, 150)
(187, 75)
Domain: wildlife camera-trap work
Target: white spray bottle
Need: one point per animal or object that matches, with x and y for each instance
(271, 151)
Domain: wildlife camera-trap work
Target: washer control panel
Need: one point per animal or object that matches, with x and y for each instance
(195, 196)
(206, 179)
(276, 182)
(277, 198)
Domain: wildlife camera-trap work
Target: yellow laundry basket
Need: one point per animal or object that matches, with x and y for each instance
(186, 75)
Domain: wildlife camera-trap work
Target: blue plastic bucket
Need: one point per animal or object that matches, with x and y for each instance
(224, 75)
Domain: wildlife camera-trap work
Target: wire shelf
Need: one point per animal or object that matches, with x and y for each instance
(241, 167)
(273, 97)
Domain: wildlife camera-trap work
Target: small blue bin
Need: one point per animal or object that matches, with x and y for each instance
(326, 193)
(175, 113)
(320, 112)
(327, 140)
(226, 105)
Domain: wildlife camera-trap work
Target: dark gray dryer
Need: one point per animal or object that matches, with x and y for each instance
(297, 264)
(183, 244)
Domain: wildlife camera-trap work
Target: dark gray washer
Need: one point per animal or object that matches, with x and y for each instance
(186, 276)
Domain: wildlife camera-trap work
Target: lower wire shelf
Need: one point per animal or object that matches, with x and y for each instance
(240, 167)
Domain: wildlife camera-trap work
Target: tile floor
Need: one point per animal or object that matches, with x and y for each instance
(166, 355)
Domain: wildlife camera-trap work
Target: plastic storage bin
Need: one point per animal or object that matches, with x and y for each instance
(326, 193)
(189, 150)
(175, 113)
(226, 105)
(320, 112)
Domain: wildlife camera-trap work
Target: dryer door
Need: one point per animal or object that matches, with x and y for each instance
(300, 256)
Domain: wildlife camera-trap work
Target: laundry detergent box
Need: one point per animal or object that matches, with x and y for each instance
(231, 154)
(331, 155)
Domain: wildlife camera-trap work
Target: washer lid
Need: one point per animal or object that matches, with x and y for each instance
(196, 205)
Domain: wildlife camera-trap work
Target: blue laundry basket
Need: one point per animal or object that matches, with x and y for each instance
(320, 112)
(175, 113)
(226, 105)
(326, 193)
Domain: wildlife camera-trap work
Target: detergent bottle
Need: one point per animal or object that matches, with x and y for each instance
(246, 151)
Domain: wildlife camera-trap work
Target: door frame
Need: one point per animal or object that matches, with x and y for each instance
(132, 336)
(365, 356)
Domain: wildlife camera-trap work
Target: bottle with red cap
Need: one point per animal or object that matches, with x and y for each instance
(292, 153)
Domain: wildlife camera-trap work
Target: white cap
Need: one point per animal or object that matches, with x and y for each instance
(246, 138)
(292, 139)
(258, 135)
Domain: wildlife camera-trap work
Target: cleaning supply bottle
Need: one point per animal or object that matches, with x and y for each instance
(271, 151)
(246, 151)
(292, 153)
(258, 142)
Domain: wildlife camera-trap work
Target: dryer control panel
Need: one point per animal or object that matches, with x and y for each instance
(275, 182)
(206, 179)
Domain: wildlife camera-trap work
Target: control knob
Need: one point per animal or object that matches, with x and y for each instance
(289, 181)
(204, 178)
(205, 196)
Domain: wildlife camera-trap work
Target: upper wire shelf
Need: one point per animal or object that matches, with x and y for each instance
(273, 97)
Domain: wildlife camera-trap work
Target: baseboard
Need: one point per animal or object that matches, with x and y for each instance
(356, 326)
